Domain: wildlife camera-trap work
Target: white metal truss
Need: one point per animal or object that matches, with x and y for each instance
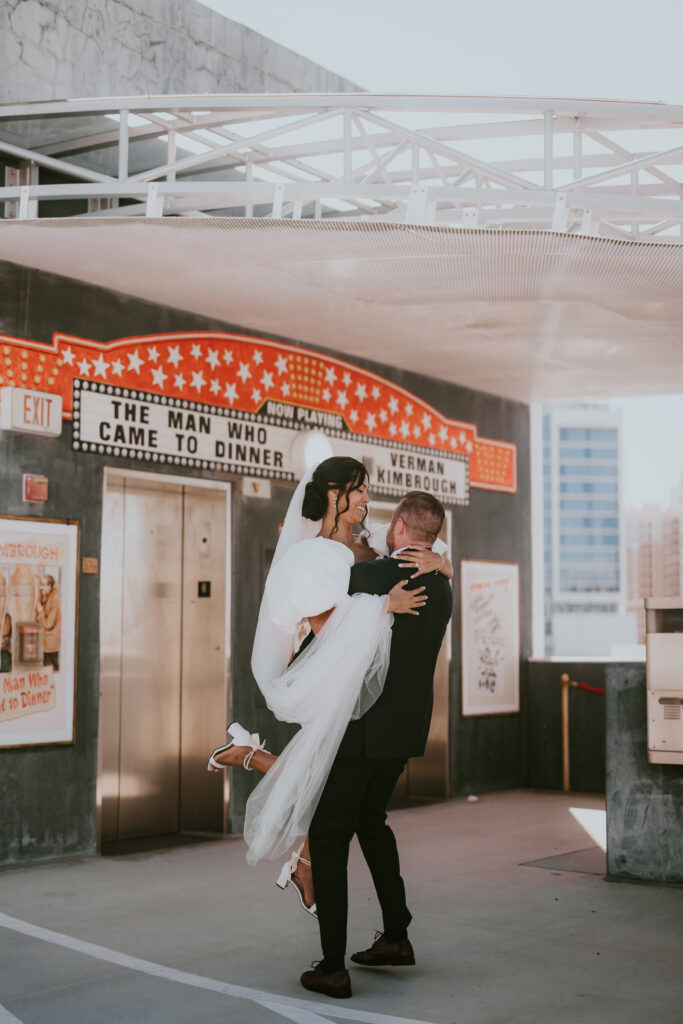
(591, 167)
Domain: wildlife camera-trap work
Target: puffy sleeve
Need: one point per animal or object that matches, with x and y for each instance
(312, 577)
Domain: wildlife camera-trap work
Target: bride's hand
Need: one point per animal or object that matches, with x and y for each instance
(422, 560)
(406, 602)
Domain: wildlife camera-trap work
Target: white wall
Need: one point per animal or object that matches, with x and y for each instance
(61, 50)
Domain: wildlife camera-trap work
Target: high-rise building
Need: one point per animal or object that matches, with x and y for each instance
(673, 550)
(645, 560)
(584, 550)
(655, 555)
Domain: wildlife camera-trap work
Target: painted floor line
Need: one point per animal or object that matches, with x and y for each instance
(254, 995)
(8, 1018)
(297, 1014)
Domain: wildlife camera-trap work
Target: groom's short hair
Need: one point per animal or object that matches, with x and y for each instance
(423, 515)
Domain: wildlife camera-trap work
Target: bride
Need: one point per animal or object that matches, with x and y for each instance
(338, 671)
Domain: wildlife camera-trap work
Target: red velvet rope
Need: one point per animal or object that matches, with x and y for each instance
(584, 686)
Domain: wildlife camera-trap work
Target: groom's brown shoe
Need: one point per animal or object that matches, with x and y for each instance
(383, 953)
(336, 984)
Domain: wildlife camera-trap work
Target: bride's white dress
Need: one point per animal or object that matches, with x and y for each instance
(337, 677)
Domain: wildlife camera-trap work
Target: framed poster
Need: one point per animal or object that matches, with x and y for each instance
(38, 615)
(490, 637)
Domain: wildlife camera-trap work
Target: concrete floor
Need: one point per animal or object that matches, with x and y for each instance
(190, 934)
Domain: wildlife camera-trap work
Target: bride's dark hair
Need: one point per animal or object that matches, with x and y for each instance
(339, 473)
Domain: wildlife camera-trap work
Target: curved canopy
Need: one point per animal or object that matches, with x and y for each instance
(530, 248)
(528, 315)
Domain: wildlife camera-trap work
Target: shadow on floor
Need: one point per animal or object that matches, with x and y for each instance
(592, 861)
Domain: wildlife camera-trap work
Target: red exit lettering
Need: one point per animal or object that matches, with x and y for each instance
(37, 410)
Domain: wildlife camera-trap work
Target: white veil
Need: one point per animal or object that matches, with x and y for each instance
(272, 645)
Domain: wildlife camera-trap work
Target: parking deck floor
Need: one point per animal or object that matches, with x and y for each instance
(514, 923)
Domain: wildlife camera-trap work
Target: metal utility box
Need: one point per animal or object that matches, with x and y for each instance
(664, 640)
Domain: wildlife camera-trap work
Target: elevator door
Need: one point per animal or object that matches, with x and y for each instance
(163, 664)
(429, 775)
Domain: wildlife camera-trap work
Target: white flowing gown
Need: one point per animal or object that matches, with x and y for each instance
(336, 678)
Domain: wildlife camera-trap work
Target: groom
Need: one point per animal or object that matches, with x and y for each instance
(372, 755)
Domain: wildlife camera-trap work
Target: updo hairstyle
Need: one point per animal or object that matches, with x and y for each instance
(339, 473)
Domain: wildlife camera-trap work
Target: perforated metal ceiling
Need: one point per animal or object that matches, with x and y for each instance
(523, 314)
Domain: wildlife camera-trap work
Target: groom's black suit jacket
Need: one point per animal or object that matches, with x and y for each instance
(396, 726)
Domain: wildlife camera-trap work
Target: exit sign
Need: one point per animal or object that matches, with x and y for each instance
(30, 412)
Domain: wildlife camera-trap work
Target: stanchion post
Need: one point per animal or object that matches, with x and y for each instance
(566, 681)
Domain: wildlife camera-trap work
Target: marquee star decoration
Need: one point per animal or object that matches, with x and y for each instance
(255, 375)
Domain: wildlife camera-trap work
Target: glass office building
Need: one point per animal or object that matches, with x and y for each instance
(583, 531)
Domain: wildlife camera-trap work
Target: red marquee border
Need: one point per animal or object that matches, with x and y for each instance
(203, 366)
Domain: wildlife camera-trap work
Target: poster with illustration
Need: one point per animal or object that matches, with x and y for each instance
(490, 637)
(38, 576)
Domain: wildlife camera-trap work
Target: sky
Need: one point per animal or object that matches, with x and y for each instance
(617, 49)
(652, 429)
(611, 49)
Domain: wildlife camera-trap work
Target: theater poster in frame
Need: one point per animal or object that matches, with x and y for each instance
(38, 625)
(490, 637)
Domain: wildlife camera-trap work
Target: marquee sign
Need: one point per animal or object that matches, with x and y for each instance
(241, 379)
(119, 421)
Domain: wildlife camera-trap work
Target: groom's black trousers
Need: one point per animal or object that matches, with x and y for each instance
(355, 800)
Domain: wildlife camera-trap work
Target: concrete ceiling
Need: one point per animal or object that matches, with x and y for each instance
(528, 315)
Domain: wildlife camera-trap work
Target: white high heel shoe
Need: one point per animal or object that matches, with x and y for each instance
(240, 738)
(287, 878)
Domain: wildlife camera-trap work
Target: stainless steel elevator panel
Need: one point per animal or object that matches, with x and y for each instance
(203, 697)
(429, 775)
(162, 656)
(111, 631)
(150, 659)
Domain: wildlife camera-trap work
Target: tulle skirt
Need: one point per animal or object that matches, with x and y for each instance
(335, 679)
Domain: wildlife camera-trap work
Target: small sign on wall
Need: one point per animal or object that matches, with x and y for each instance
(490, 637)
(38, 615)
(254, 487)
(34, 488)
(30, 412)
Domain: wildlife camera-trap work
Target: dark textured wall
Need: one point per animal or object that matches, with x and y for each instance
(586, 726)
(644, 801)
(50, 810)
(48, 793)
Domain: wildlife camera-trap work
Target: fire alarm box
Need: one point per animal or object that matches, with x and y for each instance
(34, 488)
(664, 652)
